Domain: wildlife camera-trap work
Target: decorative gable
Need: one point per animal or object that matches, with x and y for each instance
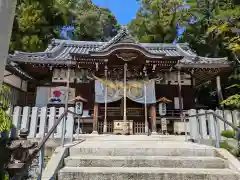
(122, 37)
(126, 38)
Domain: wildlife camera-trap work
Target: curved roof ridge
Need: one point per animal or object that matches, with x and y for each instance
(129, 46)
(184, 52)
(56, 50)
(162, 44)
(194, 58)
(111, 41)
(123, 31)
(24, 54)
(73, 42)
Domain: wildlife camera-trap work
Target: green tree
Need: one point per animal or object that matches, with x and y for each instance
(93, 22)
(212, 35)
(233, 100)
(208, 14)
(38, 21)
(157, 20)
(230, 32)
(34, 25)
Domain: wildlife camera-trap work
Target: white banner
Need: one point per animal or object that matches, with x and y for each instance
(135, 91)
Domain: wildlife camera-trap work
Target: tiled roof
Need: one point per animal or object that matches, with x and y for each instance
(61, 50)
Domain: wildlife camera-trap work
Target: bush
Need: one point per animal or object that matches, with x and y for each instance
(228, 134)
(5, 119)
(225, 145)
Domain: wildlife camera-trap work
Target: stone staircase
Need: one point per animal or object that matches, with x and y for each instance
(132, 158)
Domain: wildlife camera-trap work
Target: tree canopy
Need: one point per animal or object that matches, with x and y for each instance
(211, 29)
(158, 20)
(36, 22)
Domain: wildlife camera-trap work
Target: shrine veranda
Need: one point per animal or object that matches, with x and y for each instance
(121, 80)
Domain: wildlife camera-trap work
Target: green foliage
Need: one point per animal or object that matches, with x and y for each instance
(4, 176)
(38, 21)
(228, 134)
(233, 100)
(31, 29)
(65, 9)
(215, 34)
(225, 145)
(94, 23)
(5, 120)
(157, 20)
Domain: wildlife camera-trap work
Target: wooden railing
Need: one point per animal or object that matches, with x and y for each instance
(172, 113)
(117, 111)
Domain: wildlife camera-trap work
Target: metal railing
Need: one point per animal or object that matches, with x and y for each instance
(216, 126)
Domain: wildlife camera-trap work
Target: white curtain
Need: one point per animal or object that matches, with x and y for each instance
(135, 91)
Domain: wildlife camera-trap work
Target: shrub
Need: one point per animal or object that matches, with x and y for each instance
(225, 145)
(228, 134)
(5, 120)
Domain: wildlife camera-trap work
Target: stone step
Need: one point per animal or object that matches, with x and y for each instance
(106, 137)
(138, 148)
(135, 151)
(145, 173)
(145, 161)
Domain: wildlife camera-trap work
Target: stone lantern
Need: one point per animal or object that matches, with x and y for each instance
(162, 109)
(79, 102)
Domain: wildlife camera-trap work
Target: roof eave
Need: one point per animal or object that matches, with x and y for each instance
(16, 71)
(204, 65)
(42, 61)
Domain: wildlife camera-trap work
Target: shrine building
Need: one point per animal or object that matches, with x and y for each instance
(121, 80)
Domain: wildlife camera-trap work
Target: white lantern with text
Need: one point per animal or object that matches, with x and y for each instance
(79, 108)
(162, 107)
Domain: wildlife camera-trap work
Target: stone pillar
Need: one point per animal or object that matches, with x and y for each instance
(95, 119)
(193, 123)
(7, 12)
(153, 118)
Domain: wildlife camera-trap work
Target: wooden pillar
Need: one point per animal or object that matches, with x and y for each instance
(153, 118)
(180, 94)
(95, 119)
(181, 102)
(106, 101)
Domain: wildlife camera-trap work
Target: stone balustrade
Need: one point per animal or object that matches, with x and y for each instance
(207, 127)
(39, 120)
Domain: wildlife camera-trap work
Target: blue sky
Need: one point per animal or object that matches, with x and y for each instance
(124, 10)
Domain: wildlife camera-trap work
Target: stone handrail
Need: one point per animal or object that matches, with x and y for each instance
(216, 125)
(42, 143)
